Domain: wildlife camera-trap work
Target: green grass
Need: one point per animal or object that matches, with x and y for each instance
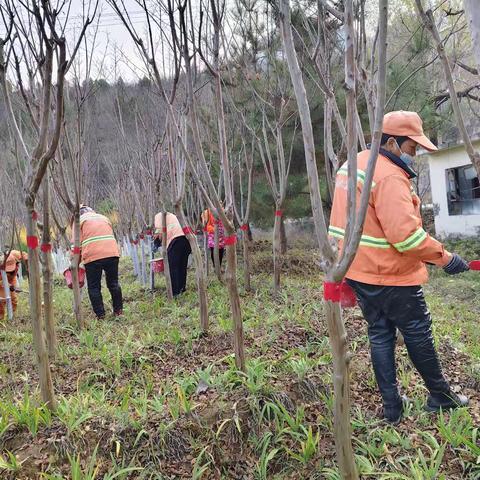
(148, 397)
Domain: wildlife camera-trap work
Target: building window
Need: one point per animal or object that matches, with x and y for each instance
(463, 191)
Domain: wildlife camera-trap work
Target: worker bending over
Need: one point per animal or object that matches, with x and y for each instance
(11, 264)
(389, 267)
(178, 250)
(100, 253)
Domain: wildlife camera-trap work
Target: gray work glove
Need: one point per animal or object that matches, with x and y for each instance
(456, 265)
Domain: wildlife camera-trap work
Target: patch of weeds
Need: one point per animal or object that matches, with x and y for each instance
(426, 465)
(266, 455)
(25, 414)
(201, 465)
(455, 427)
(73, 412)
(308, 445)
(258, 377)
(10, 463)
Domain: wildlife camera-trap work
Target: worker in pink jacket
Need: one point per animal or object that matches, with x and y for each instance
(100, 253)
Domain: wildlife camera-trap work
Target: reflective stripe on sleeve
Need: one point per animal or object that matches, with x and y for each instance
(365, 241)
(360, 175)
(412, 241)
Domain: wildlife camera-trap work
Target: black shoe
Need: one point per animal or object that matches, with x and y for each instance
(446, 400)
(394, 415)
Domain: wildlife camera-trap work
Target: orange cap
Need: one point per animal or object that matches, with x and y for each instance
(407, 124)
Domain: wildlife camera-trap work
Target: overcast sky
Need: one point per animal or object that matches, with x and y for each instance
(113, 40)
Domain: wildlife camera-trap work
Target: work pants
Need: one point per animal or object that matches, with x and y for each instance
(94, 272)
(386, 309)
(221, 251)
(12, 282)
(178, 252)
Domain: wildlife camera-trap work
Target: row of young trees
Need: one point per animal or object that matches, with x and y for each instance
(228, 90)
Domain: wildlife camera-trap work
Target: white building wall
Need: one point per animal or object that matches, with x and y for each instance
(445, 224)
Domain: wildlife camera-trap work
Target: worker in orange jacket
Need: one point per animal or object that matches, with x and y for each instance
(208, 221)
(389, 267)
(178, 250)
(11, 264)
(100, 253)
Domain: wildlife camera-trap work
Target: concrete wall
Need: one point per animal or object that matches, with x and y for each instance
(445, 224)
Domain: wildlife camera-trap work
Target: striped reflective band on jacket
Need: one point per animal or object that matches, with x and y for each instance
(365, 241)
(360, 175)
(98, 238)
(412, 241)
(169, 227)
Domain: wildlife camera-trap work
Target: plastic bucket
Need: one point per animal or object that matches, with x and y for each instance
(157, 265)
(68, 277)
(348, 298)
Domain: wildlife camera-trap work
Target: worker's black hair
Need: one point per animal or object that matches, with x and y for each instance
(399, 139)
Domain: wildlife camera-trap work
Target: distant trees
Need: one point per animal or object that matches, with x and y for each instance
(33, 45)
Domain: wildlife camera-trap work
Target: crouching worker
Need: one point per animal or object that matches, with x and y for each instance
(100, 253)
(389, 267)
(11, 264)
(178, 250)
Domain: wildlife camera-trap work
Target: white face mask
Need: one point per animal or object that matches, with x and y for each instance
(405, 157)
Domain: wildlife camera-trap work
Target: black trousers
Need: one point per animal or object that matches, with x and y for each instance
(94, 272)
(387, 308)
(178, 252)
(221, 251)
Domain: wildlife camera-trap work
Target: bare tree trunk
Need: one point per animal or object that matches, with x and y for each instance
(35, 289)
(151, 257)
(206, 253)
(283, 235)
(143, 263)
(74, 265)
(341, 386)
(47, 267)
(327, 135)
(336, 271)
(277, 249)
(216, 251)
(166, 265)
(199, 271)
(472, 9)
(230, 236)
(429, 22)
(231, 281)
(246, 258)
(6, 294)
(343, 441)
(134, 254)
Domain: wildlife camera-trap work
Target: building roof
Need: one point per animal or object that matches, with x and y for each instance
(448, 148)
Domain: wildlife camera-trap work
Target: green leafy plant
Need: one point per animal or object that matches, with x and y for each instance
(308, 445)
(24, 413)
(455, 427)
(10, 463)
(91, 468)
(200, 467)
(74, 413)
(266, 456)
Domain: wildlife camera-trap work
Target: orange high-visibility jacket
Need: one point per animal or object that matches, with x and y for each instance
(14, 258)
(394, 247)
(96, 238)
(174, 229)
(208, 221)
